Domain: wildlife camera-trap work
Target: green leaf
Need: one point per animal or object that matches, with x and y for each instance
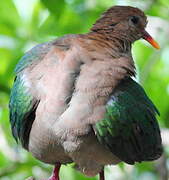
(56, 7)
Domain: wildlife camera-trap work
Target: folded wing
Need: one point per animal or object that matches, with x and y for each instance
(130, 129)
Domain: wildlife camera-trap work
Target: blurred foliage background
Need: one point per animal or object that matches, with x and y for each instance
(25, 23)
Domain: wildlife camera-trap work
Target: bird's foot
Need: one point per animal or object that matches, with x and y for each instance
(102, 175)
(55, 175)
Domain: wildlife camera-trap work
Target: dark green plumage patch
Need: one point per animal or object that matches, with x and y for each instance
(130, 129)
(22, 106)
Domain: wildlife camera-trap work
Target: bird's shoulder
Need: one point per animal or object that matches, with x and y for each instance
(34, 55)
(40, 51)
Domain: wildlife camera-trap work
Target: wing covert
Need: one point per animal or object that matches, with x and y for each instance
(130, 129)
(22, 107)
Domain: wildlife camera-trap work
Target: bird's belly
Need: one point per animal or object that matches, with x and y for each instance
(44, 147)
(90, 156)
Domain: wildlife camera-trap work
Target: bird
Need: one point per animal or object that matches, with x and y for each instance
(75, 99)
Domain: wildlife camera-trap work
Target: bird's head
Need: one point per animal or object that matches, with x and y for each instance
(126, 22)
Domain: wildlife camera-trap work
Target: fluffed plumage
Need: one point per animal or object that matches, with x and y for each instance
(74, 100)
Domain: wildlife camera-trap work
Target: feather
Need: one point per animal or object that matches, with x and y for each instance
(130, 129)
(22, 111)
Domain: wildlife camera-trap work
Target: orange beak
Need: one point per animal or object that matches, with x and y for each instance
(148, 38)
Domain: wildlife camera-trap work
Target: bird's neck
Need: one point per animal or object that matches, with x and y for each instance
(118, 45)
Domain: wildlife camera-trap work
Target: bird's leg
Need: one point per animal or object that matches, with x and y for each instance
(101, 175)
(55, 175)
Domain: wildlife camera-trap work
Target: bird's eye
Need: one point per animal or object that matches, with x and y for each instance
(134, 19)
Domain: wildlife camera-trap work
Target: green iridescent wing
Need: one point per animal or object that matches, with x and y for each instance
(130, 129)
(22, 104)
(22, 111)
